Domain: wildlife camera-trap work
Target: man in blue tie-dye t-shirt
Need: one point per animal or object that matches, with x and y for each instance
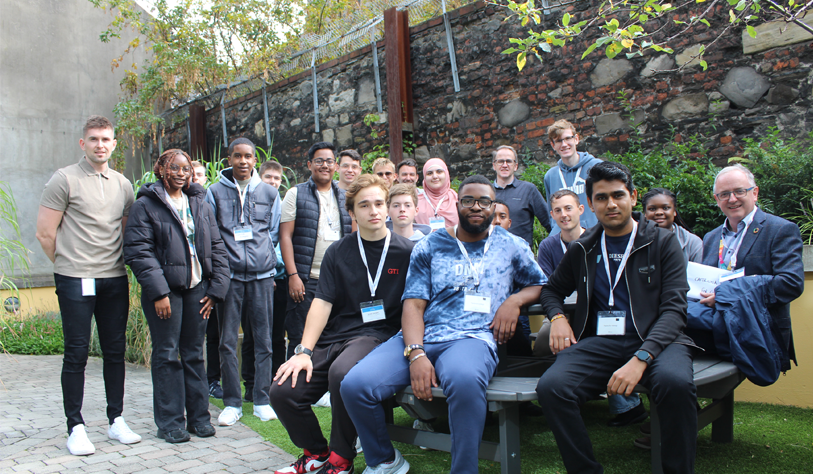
(458, 305)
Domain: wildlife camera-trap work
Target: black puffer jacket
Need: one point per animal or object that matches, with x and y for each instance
(156, 249)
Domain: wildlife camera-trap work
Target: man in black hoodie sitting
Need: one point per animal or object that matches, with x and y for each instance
(613, 342)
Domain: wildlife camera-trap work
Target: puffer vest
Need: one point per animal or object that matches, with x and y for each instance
(307, 222)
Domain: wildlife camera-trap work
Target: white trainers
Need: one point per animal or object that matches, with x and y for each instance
(78, 442)
(397, 466)
(264, 412)
(120, 431)
(229, 416)
(323, 402)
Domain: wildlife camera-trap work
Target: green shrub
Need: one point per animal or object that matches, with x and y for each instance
(40, 334)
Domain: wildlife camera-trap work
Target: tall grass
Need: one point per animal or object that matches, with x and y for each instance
(13, 254)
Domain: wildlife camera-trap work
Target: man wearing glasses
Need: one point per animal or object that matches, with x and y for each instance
(758, 242)
(523, 199)
(457, 306)
(571, 171)
(313, 217)
(349, 167)
(385, 169)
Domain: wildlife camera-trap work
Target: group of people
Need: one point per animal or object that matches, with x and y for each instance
(446, 276)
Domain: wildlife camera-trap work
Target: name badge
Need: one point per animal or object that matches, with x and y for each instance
(476, 302)
(88, 287)
(437, 223)
(373, 311)
(573, 298)
(332, 235)
(243, 233)
(611, 323)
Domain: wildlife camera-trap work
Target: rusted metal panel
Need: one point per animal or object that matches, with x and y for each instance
(399, 79)
(198, 147)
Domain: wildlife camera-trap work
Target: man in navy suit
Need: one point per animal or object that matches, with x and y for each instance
(761, 243)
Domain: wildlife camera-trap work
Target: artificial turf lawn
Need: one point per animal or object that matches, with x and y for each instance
(767, 439)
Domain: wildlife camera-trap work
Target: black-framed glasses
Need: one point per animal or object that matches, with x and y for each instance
(739, 193)
(485, 203)
(504, 162)
(322, 161)
(175, 168)
(569, 139)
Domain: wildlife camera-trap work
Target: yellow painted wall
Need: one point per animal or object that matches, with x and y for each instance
(33, 300)
(796, 386)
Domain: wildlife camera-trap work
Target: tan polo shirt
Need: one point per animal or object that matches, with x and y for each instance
(89, 239)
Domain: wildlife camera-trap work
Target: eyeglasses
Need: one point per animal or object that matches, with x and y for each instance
(485, 203)
(381, 174)
(569, 139)
(504, 162)
(175, 168)
(739, 193)
(322, 161)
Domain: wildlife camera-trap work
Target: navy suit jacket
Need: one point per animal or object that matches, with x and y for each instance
(771, 246)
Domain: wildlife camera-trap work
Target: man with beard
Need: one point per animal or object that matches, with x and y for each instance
(458, 305)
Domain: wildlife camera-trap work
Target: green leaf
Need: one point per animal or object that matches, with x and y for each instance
(566, 19)
(704, 64)
(510, 51)
(752, 32)
(705, 22)
(643, 18)
(590, 49)
(521, 58)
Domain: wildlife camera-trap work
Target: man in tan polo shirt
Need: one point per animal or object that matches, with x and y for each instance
(81, 220)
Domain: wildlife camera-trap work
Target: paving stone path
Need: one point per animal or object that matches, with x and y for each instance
(33, 431)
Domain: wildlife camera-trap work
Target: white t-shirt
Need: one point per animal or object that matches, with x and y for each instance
(181, 205)
(329, 214)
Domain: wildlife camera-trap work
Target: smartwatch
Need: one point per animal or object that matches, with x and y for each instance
(408, 349)
(300, 349)
(644, 356)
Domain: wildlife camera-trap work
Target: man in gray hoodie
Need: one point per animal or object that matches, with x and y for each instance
(571, 170)
(248, 214)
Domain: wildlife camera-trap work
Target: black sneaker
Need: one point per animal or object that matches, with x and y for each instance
(174, 436)
(636, 415)
(249, 395)
(202, 431)
(215, 390)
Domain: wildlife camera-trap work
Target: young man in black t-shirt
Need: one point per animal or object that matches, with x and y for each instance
(357, 306)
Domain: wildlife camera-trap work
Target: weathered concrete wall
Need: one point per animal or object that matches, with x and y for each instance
(54, 73)
(739, 96)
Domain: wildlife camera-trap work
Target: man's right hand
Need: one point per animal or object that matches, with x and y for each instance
(422, 377)
(561, 335)
(296, 288)
(163, 308)
(292, 367)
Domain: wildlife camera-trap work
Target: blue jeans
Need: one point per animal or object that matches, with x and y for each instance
(110, 306)
(464, 368)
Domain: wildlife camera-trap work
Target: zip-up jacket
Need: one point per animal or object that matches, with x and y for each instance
(307, 223)
(156, 249)
(252, 259)
(655, 275)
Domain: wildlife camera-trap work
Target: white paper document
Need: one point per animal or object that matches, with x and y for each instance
(704, 278)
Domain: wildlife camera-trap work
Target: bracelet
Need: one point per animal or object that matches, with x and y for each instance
(291, 274)
(422, 354)
(558, 316)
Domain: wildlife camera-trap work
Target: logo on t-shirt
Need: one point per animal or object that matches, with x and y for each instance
(392, 271)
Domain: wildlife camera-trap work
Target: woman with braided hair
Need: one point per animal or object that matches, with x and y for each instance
(173, 246)
(660, 206)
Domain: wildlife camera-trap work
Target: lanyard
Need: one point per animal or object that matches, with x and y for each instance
(562, 177)
(242, 195)
(736, 244)
(328, 210)
(621, 265)
(374, 283)
(474, 271)
(436, 209)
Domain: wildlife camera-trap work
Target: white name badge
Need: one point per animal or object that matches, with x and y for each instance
(573, 298)
(476, 302)
(437, 223)
(332, 235)
(373, 311)
(243, 233)
(88, 287)
(611, 323)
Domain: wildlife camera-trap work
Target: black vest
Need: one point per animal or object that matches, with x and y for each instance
(307, 222)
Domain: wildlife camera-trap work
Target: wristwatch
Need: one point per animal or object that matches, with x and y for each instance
(644, 356)
(300, 349)
(408, 349)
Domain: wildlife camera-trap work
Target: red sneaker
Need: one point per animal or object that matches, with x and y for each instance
(337, 465)
(306, 463)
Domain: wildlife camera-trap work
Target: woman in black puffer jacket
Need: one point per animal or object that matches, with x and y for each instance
(173, 246)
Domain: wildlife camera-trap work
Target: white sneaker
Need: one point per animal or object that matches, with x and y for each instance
(264, 412)
(398, 466)
(323, 402)
(120, 431)
(359, 449)
(78, 442)
(229, 416)
(423, 426)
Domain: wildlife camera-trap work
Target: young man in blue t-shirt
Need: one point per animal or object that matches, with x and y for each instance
(613, 342)
(458, 305)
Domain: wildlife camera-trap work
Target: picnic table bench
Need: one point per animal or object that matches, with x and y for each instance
(714, 379)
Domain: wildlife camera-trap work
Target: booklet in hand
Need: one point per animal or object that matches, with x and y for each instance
(704, 278)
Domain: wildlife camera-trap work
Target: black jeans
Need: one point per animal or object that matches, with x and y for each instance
(110, 306)
(179, 384)
(212, 345)
(581, 373)
(277, 336)
(297, 313)
(257, 298)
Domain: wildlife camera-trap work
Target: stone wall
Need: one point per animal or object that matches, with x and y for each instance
(739, 95)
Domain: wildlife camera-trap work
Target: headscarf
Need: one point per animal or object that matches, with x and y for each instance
(444, 200)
